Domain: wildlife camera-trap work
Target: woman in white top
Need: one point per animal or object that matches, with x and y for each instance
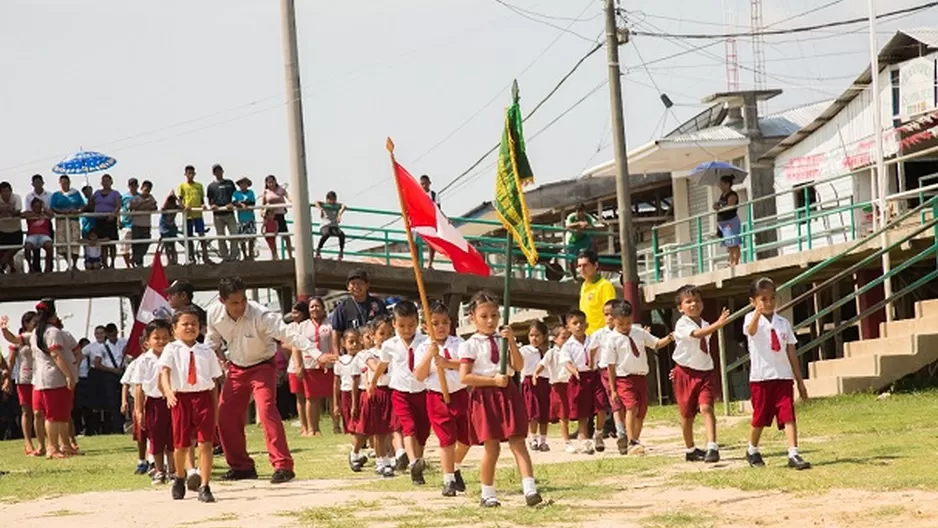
(20, 360)
(317, 374)
(54, 376)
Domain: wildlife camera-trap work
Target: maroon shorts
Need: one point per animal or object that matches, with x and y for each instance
(193, 415)
(159, 425)
(345, 410)
(319, 382)
(616, 406)
(633, 393)
(693, 389)
(24, 393)
(55, 403)
(375, 412)
(450, 422)
(411, 411)
(496, 414)
(536, 399)
(139, 433)
(586, 395)
(772, 399)
(559, 403)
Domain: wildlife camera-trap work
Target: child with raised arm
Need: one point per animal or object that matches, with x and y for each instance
(536, 396)
(627, 367)
(577, 355)
(558, 377)
(150, 409)
(408, 398)
(450, 422)
(774, 373)
(345, 392)
(693, 372)
(188, 374)
(496, 409)
(376, 401)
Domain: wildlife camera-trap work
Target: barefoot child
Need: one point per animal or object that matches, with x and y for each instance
(775, 369)
(408, 398)
(345, 392)
(536, 396)
(376, 402)
(150, 408)
(559, 377)
(627, 368)
(496, 409)
(693, 372)
(577, 355)
(450, 421)
(188, 374)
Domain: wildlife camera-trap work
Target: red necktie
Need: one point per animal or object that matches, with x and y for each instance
(493, 352)
(410, 359)
(192, 378)
(634, 347)
(776, 344)
(446, 354)
(704, 347)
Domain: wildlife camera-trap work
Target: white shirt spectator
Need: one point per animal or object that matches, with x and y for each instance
(618, 350)
(767, 363)
(250, 339)
(691, 352)
(175, 357)
(449, 350)
(87, 358)
(46, 198)
(346, 368)
(532, 358)
(402, 361)
(146, 373)
(116, 350)
(15, 205)
(576, 352)
(554, 366)
(478, 349)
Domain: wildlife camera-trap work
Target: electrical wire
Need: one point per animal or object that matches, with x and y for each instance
(805, 13)
(550, 17)
(523, 14)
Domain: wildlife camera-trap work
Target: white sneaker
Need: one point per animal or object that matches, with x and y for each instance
(636, 449)
(587, 448)
(534, 444)
(570, 448)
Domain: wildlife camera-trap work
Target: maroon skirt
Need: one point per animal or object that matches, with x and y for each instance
(345, 410)
(559, 403)
(496, 414)
(375, 412)
(319, 382)
(536, 399)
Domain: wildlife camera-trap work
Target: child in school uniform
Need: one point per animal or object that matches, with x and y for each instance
(496, 409)
(345, 390)
(150, 408)
(692, 376)
(559, 377)
(774, 372)
(450, 422)
(375, 403)
(627, 367)
(597, 340)
(139, 431)
(579, 357)
(408, 398)
(536, 396)
(188, 374)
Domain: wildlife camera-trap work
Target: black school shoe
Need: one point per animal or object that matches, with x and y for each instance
(281, 476)
(533, 499)
(712, 456)
(416, 472)
(205, 494)
(240, 474)
(402, 462)
(460, 483)
(798, 463)
(179, 488)
(755, 460)
(449, 489)
(697, 455)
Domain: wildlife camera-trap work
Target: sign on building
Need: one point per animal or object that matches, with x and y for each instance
(916, 87)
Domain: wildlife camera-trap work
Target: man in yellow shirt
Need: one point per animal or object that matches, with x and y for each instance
(595, 291)
(192, 199)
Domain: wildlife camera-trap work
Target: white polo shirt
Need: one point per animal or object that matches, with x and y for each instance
(402, 361)
(532, 358)
(691, 352)
(769, 364)
(618, 351)
(478, 350)
(175, 357)
(597, 340)
(346, 368)
(146, 373)
(449, 350)
(555, 367)
(577, 353)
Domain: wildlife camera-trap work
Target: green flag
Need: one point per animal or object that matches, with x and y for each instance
(514, 172)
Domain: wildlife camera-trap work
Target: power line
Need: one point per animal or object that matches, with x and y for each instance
(522, 13)
(806, 13)
(789, 31)
(550, 17)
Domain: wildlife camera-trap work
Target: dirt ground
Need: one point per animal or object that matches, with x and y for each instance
(259, 504)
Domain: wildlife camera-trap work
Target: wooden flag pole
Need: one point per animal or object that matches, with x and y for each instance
(506, 304)
(418, 273)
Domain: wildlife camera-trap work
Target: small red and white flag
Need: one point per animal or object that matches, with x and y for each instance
(434, 228)
(154, 305)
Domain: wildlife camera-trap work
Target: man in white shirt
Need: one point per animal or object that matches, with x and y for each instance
(248, 330)
(11, 226)
(108, 361)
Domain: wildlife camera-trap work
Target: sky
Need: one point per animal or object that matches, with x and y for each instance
(159, 85)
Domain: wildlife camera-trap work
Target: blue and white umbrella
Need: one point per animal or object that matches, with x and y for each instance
(84, 162)
(709, 173)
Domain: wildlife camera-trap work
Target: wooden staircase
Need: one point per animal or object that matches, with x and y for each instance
(904, 347)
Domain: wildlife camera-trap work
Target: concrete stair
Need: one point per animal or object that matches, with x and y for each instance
(905, 347)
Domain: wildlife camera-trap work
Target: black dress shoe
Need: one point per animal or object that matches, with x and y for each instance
(796, 462)
(460, 483)
(240, 474)
(416, 472)
(179, 488)
(755, 460)
(449, 489)
(282, 475)
(205, 494)
(697, 455)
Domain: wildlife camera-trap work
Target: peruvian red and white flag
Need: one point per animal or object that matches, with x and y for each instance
(434, 228)
(154, 305)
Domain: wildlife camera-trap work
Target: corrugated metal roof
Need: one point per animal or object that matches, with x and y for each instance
(925, 35)
(786, 123)
(718, 133)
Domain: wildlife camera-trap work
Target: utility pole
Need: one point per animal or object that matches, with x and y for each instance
(303, 234)
(878, 185)
(623, 193)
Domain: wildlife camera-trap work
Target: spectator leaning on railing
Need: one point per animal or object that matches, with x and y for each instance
(11, 227)
(126, 222)
(219, 195)
(243, 199)
(39, 234)
(106, 202)
(40, 192)
(141, 223)
(66, 203)
(192, 198)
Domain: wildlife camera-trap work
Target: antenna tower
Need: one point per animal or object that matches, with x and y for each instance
(758, 47)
